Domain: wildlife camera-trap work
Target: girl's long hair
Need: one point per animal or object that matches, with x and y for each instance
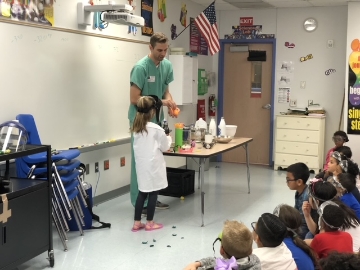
(293, 221)
(325, 191)
(145, 112)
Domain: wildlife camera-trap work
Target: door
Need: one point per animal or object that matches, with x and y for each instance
(247, 99)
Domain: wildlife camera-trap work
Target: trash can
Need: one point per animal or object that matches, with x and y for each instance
(181, 182)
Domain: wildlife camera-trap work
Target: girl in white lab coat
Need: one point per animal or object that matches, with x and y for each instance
(150, 142)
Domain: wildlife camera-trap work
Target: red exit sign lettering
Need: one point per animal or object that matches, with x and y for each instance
(246, 21)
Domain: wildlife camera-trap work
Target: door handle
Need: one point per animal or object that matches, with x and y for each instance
(267, 107)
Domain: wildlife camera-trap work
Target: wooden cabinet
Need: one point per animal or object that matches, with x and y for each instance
(184, 87)
(25, 216)
(299, 139)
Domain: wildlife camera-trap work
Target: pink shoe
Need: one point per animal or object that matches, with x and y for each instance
(153, 226)
(137, 228)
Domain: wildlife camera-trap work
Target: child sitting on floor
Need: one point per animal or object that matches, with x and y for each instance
(236, 249)
(330, 238)
(296, 177)
(339, 138)
(269, 233)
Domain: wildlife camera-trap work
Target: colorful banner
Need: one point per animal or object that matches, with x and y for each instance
(353, 113)
(33, 11)
(197, 42)
(147, 14)
(162, 10)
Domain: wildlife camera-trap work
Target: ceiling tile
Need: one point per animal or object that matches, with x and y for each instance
(225, 7)
(252, 5)
(280, 4)
(318, 3)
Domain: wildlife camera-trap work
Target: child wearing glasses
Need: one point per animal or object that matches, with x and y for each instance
(320, 192)
(236, 250)
(269, 233)
(296, 177)
(304, 256)
(331, 219)
(339, 138)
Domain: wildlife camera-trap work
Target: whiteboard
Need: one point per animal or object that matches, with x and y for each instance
(76, 86)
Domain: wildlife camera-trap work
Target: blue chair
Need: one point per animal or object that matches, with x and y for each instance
(27, 120)
(66, 185)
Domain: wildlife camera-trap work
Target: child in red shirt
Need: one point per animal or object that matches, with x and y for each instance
(330, 238)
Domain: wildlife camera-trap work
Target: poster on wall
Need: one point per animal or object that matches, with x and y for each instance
(197, 42)
(284, 95)
(32, 11)
(353, 113)
(147, 14)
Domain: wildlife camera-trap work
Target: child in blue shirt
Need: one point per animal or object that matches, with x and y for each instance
(304, 256)
(296, 177)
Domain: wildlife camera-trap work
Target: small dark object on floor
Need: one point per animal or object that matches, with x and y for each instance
(154, 240)
(182, 237)
(151, 245)
(174, 227)
(174, 234)
(145, 242)
(168, 246)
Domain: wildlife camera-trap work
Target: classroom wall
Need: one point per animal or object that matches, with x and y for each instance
(352, 33)
(117, 177)
(287, 25)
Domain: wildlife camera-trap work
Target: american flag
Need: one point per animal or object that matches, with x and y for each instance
(206, 23)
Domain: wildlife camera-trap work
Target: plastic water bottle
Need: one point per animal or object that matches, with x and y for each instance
(212, 127)
(222, 127)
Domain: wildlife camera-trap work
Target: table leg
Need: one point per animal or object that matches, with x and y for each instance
(202, 166)
(247, 165)
(199, 174)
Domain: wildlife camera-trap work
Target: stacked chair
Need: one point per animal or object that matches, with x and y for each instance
(67, 185)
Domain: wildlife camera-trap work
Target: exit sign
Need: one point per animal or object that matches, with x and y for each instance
(246, 21)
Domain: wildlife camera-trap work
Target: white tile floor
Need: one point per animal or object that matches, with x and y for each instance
(119, 248)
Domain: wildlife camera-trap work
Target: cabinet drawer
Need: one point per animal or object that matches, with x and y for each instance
(310, 136)
(308, 149)
(287, 160)
(298, 123)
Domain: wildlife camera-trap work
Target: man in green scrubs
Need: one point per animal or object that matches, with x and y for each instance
(150, 76)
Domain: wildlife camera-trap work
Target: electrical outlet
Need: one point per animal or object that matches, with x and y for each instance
(122, 161)
(96, 167)
(87, 168)
(310, 102)
(330, 43)
(106, 165)
(293, 102)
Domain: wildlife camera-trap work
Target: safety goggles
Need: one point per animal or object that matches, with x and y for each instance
(276, 212)
(321, 212)
(219, 238)
(342, 163)
(338, 138)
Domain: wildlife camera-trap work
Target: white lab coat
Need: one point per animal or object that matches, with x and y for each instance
(149, 159)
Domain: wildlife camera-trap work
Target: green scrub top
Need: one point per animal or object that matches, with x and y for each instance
(151, 79)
